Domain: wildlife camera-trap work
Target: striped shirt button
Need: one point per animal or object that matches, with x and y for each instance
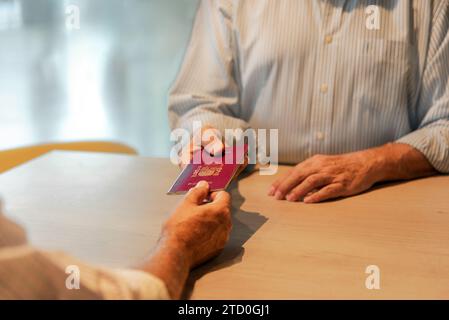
(320, 136)
(324, 88)
(328, 39)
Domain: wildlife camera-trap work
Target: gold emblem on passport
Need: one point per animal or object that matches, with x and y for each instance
(207, 171)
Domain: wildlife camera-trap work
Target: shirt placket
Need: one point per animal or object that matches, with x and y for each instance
(324, 79)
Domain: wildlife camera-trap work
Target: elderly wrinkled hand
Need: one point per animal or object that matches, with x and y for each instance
(325, 177)
(200, 229)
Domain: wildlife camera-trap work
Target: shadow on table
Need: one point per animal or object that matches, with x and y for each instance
(377, 186)
(245, 224)
(381, 186)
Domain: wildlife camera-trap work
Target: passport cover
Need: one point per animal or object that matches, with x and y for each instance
(215, 170)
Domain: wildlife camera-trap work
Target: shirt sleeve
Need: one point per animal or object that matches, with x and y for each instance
(431, 118)
(207, 88)
(29, 273)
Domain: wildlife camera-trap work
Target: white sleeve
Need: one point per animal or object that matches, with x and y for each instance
(207, 87)
(28, 273)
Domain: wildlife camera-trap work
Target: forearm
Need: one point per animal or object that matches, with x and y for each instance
(397, 161)
(170, 262)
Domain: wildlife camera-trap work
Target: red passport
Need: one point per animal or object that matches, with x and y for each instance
(218, 171)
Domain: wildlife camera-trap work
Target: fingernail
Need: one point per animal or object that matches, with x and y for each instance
(271, 191)
(308, 200)
(290, 198)
(202, 184)
(278, 195)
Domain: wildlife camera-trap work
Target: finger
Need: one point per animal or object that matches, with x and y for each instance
(331, 191)
(220, 199)
(185, 156)
(221, 203)
(309, 184)
(187, 153)
(275, 185)
(215, 148)
(199, 193)
(212, 142)
(292, 180)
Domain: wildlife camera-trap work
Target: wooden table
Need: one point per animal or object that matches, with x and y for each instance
(107, 209)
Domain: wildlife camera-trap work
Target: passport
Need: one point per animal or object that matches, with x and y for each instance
(218, 171)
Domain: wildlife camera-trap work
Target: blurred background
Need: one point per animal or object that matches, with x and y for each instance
(107, 80)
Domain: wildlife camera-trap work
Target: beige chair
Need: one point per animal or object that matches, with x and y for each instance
(14, 157)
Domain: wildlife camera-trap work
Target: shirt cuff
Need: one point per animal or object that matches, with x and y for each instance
(433, 142)
(147, 286)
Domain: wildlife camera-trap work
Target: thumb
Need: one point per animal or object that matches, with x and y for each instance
(199, 193)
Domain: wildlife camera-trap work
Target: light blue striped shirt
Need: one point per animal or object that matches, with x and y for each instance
(317, 72)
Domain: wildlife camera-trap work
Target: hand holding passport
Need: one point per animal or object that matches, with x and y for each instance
(217, 170)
